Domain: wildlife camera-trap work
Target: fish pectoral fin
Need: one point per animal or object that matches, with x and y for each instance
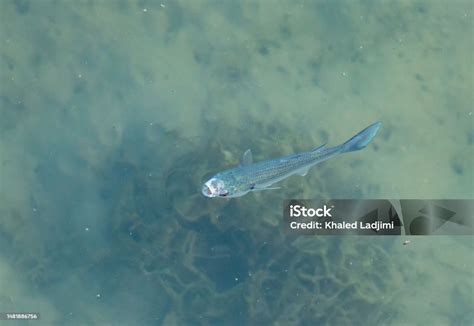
(303, 171)
(247, 158)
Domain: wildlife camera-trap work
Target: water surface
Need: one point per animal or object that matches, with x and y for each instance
(113, 113)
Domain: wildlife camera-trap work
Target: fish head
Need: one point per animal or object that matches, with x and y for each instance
(215, 187)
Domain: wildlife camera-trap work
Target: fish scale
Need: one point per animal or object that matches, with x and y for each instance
(269, 169)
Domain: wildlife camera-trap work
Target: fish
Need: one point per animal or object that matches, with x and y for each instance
(250, 176)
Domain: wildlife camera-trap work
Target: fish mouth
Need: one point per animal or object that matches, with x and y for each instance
(206, 191)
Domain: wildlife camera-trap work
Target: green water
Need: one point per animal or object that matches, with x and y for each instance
(113, 113)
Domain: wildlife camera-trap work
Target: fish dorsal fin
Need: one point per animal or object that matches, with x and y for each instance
(247, 158)
(319, 148)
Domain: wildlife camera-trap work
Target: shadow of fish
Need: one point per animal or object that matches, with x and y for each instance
(249, 176)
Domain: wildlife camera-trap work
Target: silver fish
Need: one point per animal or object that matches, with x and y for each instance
(249, 176)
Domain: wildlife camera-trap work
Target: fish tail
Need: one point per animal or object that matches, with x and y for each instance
(361, 139)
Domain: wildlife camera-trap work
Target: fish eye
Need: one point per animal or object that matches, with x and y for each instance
(224, 194)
